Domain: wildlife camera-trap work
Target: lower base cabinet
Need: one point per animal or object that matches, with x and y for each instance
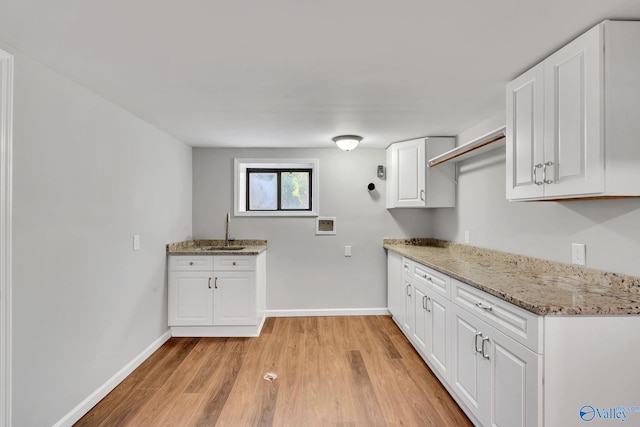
(424, 317)
(508, 367)
(431, 330)
(479, 357)
(495, 377)
(217, 295)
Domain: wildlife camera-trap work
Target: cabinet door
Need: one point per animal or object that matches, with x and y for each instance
(408, 169)
(525, 133)
(573, 147)
(407, 324)
(234, 298)
(421, 320)
(190, 298)
(439, 335)
(514, 383)
(471, 372)
(395, 289)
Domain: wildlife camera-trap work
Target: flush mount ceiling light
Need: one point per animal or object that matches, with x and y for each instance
(347, 142)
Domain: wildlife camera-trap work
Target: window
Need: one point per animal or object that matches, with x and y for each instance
(279, 189)
(274, 187)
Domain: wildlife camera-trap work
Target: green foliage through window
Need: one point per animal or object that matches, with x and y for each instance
(279, 189)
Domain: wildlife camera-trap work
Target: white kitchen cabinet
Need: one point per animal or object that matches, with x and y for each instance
(419, 333)
(431, 333)
(424, 314)
(216, 295)
(408, 319)
(190, 298)
(410, 184)
(395, 288)
(568, 121)
(234, 302)
(190, 290)
(439, 338)
(497, 378)
(511, 367)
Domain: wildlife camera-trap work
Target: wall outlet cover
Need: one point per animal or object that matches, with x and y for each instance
(578, 253)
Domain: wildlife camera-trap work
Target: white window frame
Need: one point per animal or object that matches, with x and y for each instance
(240, 167)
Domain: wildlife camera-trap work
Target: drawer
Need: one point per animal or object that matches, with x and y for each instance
(436, 281)
(188, 262)
(517, 323)
(233, 263)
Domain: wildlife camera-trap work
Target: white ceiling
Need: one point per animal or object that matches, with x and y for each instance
(294, 73)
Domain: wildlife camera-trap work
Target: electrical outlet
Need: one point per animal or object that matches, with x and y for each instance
(136, 242)
(466, 236)
(578, 253)
(347, 251)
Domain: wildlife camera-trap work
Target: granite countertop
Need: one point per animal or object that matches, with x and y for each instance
(199, 247)
(540, 286)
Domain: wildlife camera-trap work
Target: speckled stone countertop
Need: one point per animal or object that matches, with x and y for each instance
(540, 286)
(200, 247)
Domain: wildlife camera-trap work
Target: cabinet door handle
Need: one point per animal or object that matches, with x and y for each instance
(408, 290)
(422, 195)
(215, 283)
(209, 284)
(424, 302)
(485, 340)
(427, 307)
(544, 173)
(484, 306)
(534, 174)
(475, 342)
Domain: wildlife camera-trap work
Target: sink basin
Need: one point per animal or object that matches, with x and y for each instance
(221, 248)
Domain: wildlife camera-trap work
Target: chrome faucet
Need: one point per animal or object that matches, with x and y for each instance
(226, 231)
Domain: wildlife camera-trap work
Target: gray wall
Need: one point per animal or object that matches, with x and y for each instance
(609, 228)
(305, 271)
(87, 176)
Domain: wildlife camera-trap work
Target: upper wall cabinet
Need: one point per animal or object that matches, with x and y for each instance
(572, 126)
(410, 184)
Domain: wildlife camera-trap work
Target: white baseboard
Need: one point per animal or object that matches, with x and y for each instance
(328, 312)
(95, 397)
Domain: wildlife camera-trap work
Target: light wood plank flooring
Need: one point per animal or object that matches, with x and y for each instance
(331, 371)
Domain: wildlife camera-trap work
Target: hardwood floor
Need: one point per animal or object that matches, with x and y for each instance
(331, 371)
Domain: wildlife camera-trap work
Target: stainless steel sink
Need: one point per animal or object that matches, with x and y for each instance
(221, 248)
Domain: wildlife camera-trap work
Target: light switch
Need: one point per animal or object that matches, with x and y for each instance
(347, 251)
(136, 242)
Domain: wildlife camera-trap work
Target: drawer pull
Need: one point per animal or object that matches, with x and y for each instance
(234, 263)
(190, 262)
(484, 306)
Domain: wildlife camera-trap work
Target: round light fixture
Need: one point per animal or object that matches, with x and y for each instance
(347, 142)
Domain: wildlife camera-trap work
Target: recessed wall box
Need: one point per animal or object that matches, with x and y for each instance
(325, 225)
